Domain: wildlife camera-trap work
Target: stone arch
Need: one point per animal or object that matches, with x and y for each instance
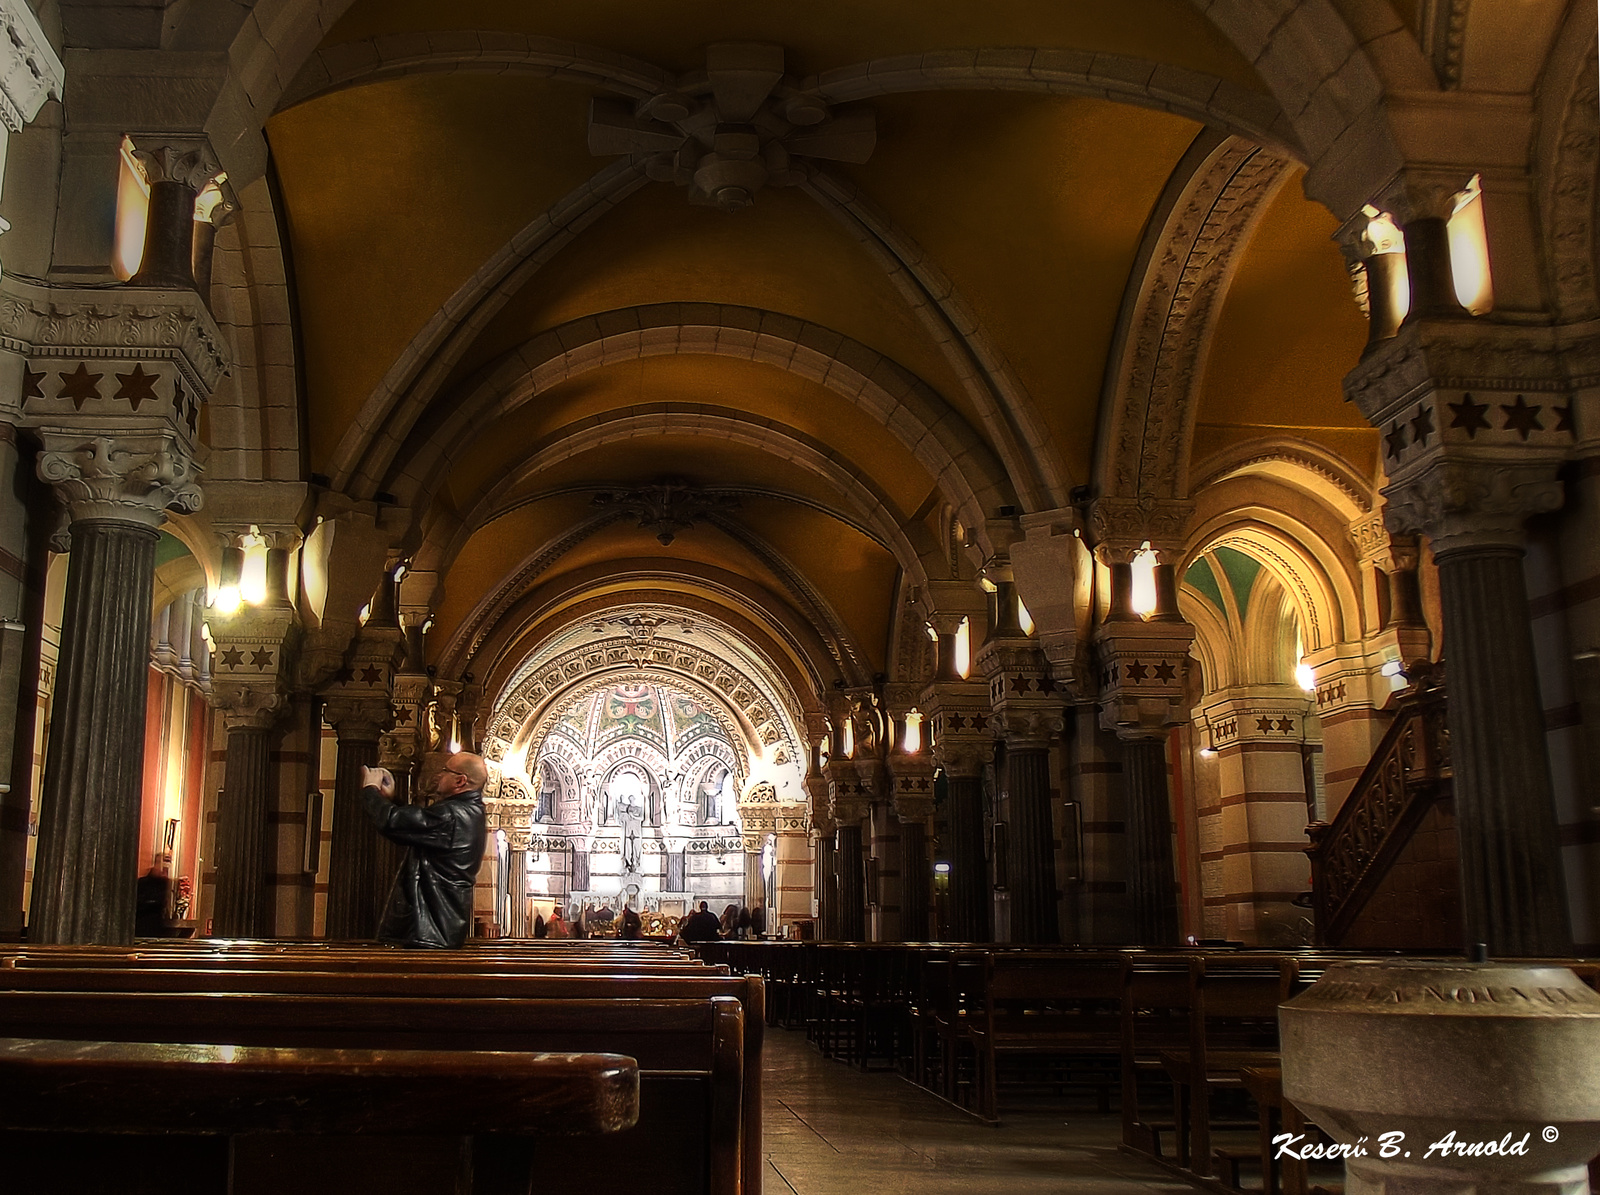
(1567, 157)
(1143, 82)
(1324, 596)
(942, 442)
(255, 410)
(1191, 248)
(910, 541)
(1329, 65)
(793, 647)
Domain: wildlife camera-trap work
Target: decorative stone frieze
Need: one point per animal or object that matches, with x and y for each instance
(1119, 525)
(1474, 502)
(30, 70)
(80, 343)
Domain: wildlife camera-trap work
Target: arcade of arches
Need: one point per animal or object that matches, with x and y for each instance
(1114, 472)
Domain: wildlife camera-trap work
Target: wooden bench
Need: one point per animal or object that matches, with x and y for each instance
(79, 1116)
(690, 1054)
(382, 973)
(1061, 1008)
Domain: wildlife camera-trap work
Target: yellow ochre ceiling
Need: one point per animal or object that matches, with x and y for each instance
(1030, 206)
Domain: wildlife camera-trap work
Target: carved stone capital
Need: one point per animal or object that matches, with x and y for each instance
(177, 158)
(1419, 193)
(134, 478)
(1118, 526)
(362, 718)
(1460, 504)
(1027, 729)
(248, 705)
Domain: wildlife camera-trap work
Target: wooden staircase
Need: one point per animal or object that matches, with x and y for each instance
(1408, 773)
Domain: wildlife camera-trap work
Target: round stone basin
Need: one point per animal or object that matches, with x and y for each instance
(1505, 1057)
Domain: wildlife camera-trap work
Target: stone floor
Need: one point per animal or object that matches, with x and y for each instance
(831, 1130)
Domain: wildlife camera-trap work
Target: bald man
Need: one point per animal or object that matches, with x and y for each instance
(431, 904)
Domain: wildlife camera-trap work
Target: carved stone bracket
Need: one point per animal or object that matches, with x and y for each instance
(252, 663)
(853, 785)
(958, 721)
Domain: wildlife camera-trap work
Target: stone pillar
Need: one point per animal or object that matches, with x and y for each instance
(827, 886)
(244, 837)
(852, 886)
(916, 905)
(1032, 865)
(970, 902)
(911, 786)
(1512, 886)
(1151, 887)
(353, 857)
(87, 860)
(517, 886)
(1512, 891)
(177, 168)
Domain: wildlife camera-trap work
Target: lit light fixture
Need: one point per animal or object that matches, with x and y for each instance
(253, 572)
(366, 613)
(1305, 677)
(964, 648)
(913, 732)
(933, 635)
(1469, 251)
(226, 599)
(1208, 752)
(1390, 668)
(941, 869)
(133, 213)
(1143, 568)
(455, 733)
(1024, 617)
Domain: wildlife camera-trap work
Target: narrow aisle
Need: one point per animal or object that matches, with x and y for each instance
(831, 1130)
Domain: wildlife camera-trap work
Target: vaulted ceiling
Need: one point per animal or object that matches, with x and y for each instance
(528, 344)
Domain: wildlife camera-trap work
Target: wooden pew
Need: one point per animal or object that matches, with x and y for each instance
(237, 1120)
(690, 1053)
(1061, 1007)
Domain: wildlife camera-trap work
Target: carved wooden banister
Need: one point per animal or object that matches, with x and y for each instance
(1408, 772)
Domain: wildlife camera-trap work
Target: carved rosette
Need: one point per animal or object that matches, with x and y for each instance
(133, 478)
(1143, 674)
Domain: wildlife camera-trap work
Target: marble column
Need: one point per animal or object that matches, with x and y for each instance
(915, 900)
(353, 858)
(1510, 848)
(1032, 842)
(87, 860)
(177, 169)
(117, 490)
(1151, 889)
(517, 885)
(244, 838)
(970, 901)
(827, 889)
(851, 916)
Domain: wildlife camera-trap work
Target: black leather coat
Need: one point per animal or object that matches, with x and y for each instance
(431, 904)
